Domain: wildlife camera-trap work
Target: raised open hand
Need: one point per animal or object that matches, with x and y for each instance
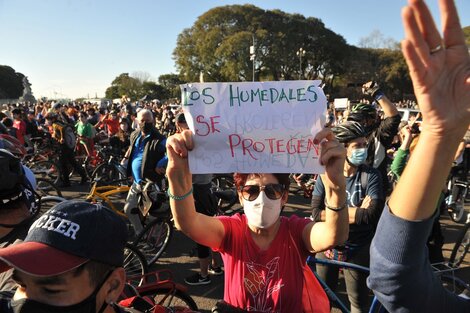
(439, 67)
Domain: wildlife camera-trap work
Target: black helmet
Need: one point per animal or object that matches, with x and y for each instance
(361, 112)
(349, 131)
(14, 185)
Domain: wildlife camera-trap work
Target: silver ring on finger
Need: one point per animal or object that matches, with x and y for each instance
(436, 49)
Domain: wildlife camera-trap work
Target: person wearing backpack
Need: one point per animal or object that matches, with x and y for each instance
(365, 204)
(65, 137)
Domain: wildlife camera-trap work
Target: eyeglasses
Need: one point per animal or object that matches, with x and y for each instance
(272, 191)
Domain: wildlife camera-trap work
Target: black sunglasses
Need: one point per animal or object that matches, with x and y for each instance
(272, 191)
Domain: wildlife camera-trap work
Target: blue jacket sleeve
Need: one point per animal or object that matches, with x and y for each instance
(400, 274)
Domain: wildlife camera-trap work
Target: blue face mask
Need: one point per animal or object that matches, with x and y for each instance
(358, 156)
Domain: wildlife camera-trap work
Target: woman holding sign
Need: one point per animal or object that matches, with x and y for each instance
(264, 254)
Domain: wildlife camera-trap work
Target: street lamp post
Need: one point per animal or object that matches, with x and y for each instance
(253, 56)
(300, 53)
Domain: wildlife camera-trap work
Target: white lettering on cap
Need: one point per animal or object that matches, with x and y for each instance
(72, 231)
(58, 225)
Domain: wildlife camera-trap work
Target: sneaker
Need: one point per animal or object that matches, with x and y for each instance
(197, 279)
(215, 270)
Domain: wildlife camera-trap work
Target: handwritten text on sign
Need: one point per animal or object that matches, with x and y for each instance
(258, 127)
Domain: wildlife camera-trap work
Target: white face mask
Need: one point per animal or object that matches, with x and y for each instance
(262, 212)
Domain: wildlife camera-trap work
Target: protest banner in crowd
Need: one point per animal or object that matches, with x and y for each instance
(254, 127)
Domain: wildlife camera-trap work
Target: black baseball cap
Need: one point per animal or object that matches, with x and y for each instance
(67, 236)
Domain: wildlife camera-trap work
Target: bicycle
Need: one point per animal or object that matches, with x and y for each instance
(375, 307)
(111, 171)
(134, 264)
(442, 270)
(45, 187)
(158, 227)
(461, 246)
(162, 290)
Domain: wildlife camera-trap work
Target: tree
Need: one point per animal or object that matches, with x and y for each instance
(172, 83)
(112, 92)
(154, 91)
(141, 76)
(377, 40)
(218, 46)
(136, 88)
(388, 67)
(124, 85)
(11, 83)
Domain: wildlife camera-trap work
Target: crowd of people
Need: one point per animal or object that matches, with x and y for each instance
(63, 262)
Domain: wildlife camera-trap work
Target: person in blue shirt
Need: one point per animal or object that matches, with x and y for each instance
(400, 274)
(365, 203)
(146, 162)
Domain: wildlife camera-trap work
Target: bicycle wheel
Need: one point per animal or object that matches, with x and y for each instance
(45, 187)
(153, 240)
(134, 264)
(461, 247)
(47, 202)
(105, 174)
(172, 298)
(46, 169)
(455, 285)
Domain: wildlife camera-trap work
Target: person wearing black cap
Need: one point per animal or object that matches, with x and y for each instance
(70, 261)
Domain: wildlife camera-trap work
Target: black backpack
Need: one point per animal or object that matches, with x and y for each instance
(68, 135)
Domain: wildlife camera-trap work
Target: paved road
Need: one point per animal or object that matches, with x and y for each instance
(178, 260)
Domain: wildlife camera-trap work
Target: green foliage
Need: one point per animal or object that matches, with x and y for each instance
(388, 67)
(171, 82)
(11, 83)
(218, 45)
(466, 32)
(135, 88)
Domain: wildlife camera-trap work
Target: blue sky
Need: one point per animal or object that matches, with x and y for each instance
(75, 48)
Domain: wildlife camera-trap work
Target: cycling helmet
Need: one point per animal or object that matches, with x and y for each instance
(361, 112)
(349, 131)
